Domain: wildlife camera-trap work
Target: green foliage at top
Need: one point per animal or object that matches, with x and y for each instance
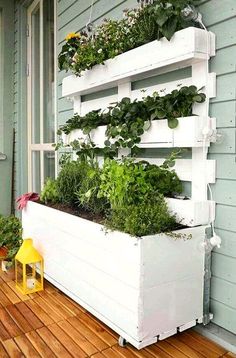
(126, 121)
(50, 192)
(10, 235)
(159, 18)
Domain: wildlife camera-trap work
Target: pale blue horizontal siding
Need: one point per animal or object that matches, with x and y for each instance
(220, 17)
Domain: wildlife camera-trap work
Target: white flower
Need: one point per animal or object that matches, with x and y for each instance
(100, 50)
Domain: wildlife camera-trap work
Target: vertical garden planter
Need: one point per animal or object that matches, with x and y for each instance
(149, 287)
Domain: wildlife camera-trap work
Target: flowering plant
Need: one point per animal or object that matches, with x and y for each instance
(23, 199)
(152, 20)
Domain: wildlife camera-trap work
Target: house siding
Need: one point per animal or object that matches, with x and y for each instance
(6, 107)
(220, 17)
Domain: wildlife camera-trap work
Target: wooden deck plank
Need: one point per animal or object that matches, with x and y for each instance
(67, 341)
(142, 353)
(110, 353)
(9, 276)
(19, 318)
(88, 334)
(4, 299)
(48, 309)
(172, 351)
(58, 349)
(10, 293)
(39, 312)
(98, 329)
(128, 353)
(193, 343)
(157, 352)
(78, 338)
(98, 355)
(206, 342)
(40, 346)
(9, 324)
(188, 351)
(26, 347)
(22, 297)
(3, 333)
(108, 329)
(61, 310)
(33, 320)
(3, 353)
(75, 309)
(12, 349)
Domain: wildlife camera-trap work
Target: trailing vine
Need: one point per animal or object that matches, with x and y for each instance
(126, 121)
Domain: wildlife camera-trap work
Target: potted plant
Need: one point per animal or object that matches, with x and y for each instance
(10, 240)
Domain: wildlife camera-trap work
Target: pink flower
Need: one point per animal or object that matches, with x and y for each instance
(23, 199)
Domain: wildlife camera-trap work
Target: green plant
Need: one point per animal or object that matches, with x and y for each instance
(126, 121)
(178, 103)
(50, 193)
(162, 18)
(87, 194)
(10, 235)
(159, 18)
(127, 183)
(146, 218)
(69, 181)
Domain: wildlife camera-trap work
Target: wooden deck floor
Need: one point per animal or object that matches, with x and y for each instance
(49, 324)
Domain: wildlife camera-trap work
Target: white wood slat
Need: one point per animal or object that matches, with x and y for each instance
(183, 168)
(187, 46)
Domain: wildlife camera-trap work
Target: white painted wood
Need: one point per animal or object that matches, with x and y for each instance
(199, 155)
(100, 103)
(159, 135)
(183, 168)
(192, 212)
(140, 287)
(167, 87)
(187, 46)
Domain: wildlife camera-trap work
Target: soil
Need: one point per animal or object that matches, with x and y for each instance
(69, 209)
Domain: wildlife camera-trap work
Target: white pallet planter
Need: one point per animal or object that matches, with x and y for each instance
(143, 288)
(159, 135)
(140, 287)
(187, 46)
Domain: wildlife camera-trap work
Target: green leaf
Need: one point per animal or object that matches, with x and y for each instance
(173, 123)
(107, 143)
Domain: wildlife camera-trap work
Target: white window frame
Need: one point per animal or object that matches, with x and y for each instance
(41, 147)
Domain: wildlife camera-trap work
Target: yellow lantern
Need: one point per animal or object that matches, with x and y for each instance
(29, 268)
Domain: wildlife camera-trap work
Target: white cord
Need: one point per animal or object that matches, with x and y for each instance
(91, 12)
(205, 137)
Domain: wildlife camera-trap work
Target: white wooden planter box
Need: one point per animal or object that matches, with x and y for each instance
(143, 288)
(192, 212)
(187, 47)
(189, 133)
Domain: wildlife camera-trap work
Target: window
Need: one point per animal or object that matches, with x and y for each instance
(40, 93)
